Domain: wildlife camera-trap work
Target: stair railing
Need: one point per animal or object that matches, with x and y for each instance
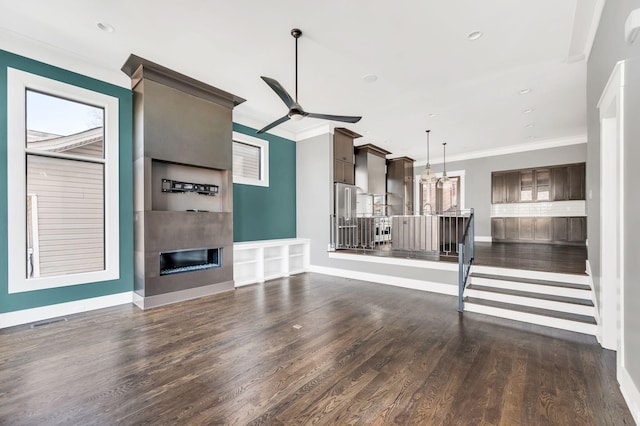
(465, 259)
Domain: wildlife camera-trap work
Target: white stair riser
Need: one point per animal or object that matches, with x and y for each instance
(532, 275)
(532, 318)
(531, 301)
(533, 288)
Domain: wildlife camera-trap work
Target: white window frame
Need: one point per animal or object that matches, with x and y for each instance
(264, 160)
(18, 82)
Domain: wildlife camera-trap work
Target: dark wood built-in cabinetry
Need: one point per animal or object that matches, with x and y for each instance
(400, 186)
(556, 183)
(535, 185)
(566, 230)
(343, 160)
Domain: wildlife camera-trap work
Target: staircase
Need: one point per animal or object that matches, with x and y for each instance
(551, 299)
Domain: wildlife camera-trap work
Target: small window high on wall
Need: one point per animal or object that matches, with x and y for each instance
(250, 160)
(62, 153)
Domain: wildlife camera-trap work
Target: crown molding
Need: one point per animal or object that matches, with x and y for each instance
(321, 129)
(61, 58)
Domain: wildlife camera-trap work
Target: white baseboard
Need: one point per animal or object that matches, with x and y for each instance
(26, 316)
(449, 289)
(482, 239)
(630, 392)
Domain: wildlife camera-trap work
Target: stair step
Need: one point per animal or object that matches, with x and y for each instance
(536, 300)
(528, 294)
(563, 324)
(585, 319)
(531, 281)
(534, 286)
(527, 274)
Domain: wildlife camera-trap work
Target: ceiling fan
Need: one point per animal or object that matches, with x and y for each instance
(295, 109)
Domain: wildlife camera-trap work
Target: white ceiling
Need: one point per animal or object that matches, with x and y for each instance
(418, 49)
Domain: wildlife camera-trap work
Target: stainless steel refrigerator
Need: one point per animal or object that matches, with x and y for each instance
(345, 209)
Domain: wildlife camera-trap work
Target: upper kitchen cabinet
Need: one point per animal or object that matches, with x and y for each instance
(343, 161)
(506, 187)
(555, 183)
(400, 186)
(568, 182)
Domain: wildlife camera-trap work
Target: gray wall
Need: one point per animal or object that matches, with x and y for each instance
(314, 189)
(609, 47)
(478, 175)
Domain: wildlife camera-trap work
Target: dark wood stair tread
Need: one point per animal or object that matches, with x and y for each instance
(542, 296)
(586, 319)
(531, 281)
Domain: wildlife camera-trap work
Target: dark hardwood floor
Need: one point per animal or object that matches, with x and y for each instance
(533, 257)
(366, 354)
(529, 256)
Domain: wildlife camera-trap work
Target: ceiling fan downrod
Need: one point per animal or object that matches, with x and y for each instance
(296, 33)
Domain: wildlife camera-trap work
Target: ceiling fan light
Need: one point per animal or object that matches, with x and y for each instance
(296, 117)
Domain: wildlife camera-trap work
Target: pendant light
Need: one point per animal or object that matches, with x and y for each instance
(426, 176)
(444, 179)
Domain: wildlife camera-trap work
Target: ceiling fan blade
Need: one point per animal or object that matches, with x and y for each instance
(274, 124)
(343, 118)
(280, 91)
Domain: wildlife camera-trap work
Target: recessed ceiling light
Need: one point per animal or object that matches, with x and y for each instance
(474, 35)
(525, 91)
(432, 115)
(528, 110)
(530, 125)
(105, 27)
(369, 78)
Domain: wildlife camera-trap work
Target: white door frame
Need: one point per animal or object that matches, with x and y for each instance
(611, 106)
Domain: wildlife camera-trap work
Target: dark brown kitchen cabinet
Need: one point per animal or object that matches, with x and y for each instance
(343, 172)
(577, 229)
(343, 147)
(541, 184)
(505, 187)
(498, 229)
(576, 185)
(400, 186)
(511, 228)
(542, 229)
(343, 160)
(557, 230)
(568, 182)
(527, 228)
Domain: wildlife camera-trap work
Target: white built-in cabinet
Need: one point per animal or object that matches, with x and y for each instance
(259, 261)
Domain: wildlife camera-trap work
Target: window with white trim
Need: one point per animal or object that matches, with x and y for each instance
(250, 160)
(62, 152)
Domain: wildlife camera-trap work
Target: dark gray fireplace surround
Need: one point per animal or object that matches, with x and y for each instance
(182, 133)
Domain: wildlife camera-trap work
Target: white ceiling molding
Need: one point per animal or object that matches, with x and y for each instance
(512, 149)
(593, 29)
(63, 58)
(321, 129)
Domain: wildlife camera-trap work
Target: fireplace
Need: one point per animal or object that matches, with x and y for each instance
(181, 261)
(183, 185)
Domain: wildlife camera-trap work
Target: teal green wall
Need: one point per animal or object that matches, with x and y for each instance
(33, 299)
(261, 213)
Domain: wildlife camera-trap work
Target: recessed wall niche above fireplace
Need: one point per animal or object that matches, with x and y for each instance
(183, 193)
